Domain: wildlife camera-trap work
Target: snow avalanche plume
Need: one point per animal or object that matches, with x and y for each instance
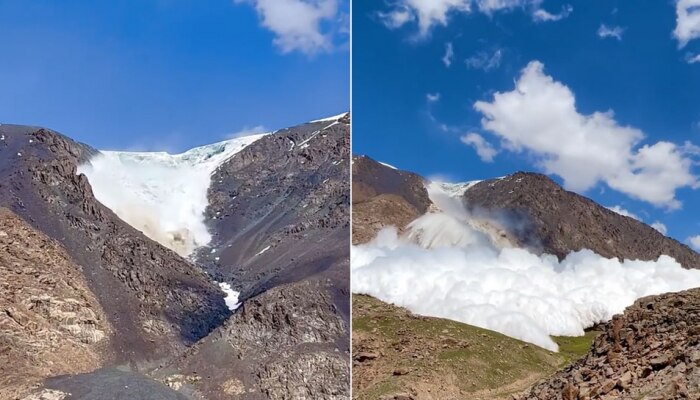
(163, 195)
(445, 267)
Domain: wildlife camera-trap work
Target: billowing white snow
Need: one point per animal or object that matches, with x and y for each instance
(446, 268)
(231, 298)
(163, 195)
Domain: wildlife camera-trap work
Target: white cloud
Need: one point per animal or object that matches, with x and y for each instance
(449, 53)
(687, 21)
(605, 31)
(426, 12)
(694, 242)
(300, 25)
(484, 60)
(256, 130)
(541, 15)
(432, 98)
(484, 149)
(692, 59)
(624, 212)
(429, 13)
(539, 116)
(659, 227)
(489, 6)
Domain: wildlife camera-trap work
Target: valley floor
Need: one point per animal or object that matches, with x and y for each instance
(399, 355)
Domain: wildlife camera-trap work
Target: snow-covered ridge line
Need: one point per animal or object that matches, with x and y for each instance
(333, 118)
(161, 194)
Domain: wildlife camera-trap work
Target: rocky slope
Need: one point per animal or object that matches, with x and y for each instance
(384, 196)
(399, 355)
(279, 210)
(651, 351)
(50, 321)
(155, 301)
(279, 213)
(282, 344)
(548, 218)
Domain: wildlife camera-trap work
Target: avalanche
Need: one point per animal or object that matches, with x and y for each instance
(446, 267)
(163, 195)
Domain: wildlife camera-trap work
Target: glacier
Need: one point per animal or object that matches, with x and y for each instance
(163, 195)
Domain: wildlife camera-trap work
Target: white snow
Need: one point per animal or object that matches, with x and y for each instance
(231, 298)
(444, 267)
(262, 251)
(456, 189)
(387, 165)
(333, 118)
(163, 195)
(304, 144)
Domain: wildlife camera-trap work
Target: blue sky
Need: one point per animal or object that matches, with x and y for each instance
(171, 74)
(602, 95)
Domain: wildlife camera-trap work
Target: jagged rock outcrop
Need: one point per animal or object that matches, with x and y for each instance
(384, 196)
(651, 351)
(282, 344)
(279, 210)
(548, 218)
(50, 321)
(155, 301)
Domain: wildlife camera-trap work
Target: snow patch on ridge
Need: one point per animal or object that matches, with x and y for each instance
(163, 195)
(445, 267)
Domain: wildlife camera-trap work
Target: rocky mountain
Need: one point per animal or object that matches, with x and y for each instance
(125, 307)
(382, 195)
(280, 215)
(553, 220)
(651, 351)
(155, 301)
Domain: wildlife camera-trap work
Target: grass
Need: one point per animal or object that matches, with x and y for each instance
(440, 352)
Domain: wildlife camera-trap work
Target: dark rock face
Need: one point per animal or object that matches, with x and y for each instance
(155, 301)
(50, 321)
(282, 344)
(651, 351)
(371, 179)
(383, 196)
(279, 210)
(279, 215)
(553, 220)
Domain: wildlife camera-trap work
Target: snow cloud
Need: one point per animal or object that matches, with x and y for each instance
(605, 31)
(659, 227)
(539, 116)
(687, 21)
(484, 149)
(307, 26)
(624, 212)
(485, 61)
(446, 268)
(449, 53)
(694, 242)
